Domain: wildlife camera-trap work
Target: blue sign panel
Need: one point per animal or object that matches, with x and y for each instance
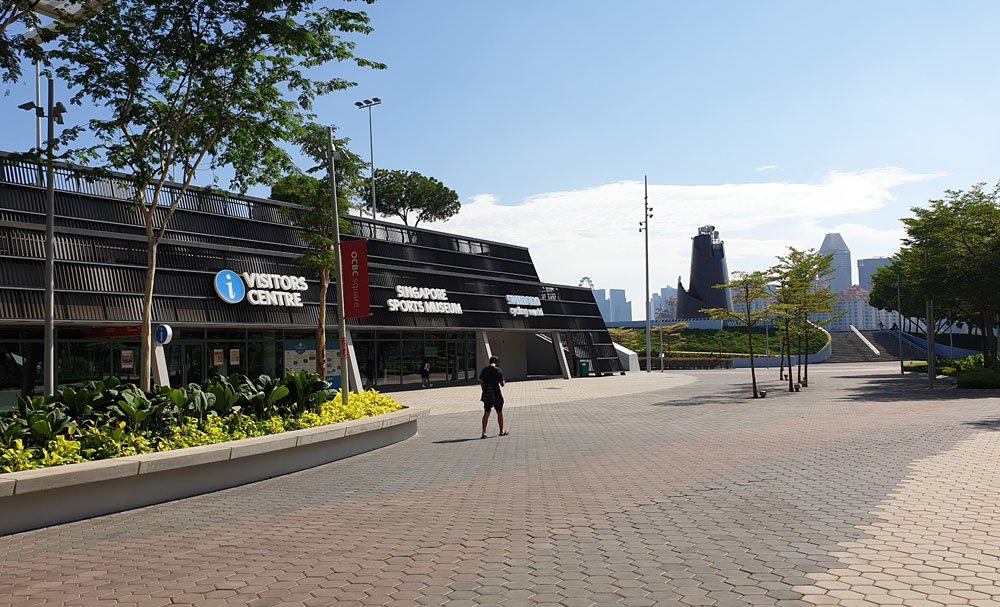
(230, 287)
(163, 334)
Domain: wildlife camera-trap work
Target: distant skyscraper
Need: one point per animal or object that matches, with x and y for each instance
(600, 296)
(658, 303)
(655, 304)
(621, 308)
(833, 244)
(867, 267)
(708, 268)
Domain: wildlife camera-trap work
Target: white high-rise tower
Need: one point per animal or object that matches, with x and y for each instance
(834, 244)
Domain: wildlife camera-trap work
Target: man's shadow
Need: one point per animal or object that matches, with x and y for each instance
(453, 440)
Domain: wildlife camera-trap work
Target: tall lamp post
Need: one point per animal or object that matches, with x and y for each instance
(54, 114)
(644, 227)
(369, 103)
(899, 326)
(345, 389)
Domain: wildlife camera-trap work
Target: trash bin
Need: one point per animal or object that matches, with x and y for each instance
(584, 368)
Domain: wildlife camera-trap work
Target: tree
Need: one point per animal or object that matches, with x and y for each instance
(671, 333)
(800, 291)
(14, 47)
(408, 194)
(316, 216)
(747, 288)
(950, 255)
(200, 84)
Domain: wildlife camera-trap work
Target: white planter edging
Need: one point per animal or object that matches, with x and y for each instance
(39, 498)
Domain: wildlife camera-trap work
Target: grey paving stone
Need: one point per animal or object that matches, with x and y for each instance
(649, 489)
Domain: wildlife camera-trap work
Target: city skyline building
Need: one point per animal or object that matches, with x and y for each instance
(708, 268)
(840, 279)
(867, 268)
(663, 305)
(621, 307)
(852, 308)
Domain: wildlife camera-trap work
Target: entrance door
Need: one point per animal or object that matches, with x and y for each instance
(194, 363)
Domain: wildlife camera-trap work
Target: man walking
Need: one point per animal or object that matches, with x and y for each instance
(491, 380)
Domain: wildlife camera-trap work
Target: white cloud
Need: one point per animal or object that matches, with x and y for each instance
(595, 231)
(767, 167)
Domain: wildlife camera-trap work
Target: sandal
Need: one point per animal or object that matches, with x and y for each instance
(483, 436)
(505, 433)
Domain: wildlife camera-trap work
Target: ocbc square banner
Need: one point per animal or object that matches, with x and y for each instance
(354, 266)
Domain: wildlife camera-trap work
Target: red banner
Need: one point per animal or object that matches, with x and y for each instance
(354, 266)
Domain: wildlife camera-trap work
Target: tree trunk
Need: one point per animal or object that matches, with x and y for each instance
(146, 336)
(781, 357)
(805, 376)
(753, 373)
(990, 360)
(799, 361)
(324, 286)
(788, 338)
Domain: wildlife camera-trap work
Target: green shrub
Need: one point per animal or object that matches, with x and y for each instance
(979, 378)
(100, 420)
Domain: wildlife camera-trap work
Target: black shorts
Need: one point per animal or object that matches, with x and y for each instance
(491, 401)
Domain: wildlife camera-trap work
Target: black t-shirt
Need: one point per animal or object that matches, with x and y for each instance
(492, 376)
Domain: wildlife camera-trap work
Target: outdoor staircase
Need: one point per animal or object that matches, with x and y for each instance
(888, 343)
(847, 347)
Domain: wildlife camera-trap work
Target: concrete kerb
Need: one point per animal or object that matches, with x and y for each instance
(32, 499)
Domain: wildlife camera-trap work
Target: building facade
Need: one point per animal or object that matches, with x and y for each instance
(488, 298)
(621, 308)
(852, 308)
(866, 269)
(840, 279)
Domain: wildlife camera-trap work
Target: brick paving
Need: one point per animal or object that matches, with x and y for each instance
(649, 489)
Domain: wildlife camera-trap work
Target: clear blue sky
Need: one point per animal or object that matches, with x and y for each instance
(777, 121)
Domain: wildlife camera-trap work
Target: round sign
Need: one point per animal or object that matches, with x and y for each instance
(163, 334)
(230, 287)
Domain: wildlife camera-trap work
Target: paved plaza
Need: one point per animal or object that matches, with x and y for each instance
(666, 488)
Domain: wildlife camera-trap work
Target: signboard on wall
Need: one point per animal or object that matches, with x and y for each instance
(354, 269)
(524, 305)
(234, 356)
(300, 355)
(128, 362)
(260, 289)
(422, 300)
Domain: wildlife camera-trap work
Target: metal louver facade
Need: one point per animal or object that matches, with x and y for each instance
(101, 265)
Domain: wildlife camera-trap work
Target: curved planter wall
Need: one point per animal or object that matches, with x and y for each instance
(39, 498)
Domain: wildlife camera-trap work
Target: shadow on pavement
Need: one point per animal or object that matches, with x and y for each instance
(892, 387)
(726, 395)
(986, 424)
(454, 440)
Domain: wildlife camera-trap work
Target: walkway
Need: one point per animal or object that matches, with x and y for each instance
(650, 489)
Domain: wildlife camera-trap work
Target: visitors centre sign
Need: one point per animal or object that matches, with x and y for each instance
(260, 289)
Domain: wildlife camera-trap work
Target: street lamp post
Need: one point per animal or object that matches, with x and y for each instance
(767, 343)
(369, 103)
(661, 346)
(899, 326)
(54, 115)
(644, 227)
(345, 389)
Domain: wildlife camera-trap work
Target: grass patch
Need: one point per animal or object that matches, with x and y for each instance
(732, 342)
(941, 370)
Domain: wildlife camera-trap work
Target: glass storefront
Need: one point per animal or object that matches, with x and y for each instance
(385, 358)
(393, 358)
